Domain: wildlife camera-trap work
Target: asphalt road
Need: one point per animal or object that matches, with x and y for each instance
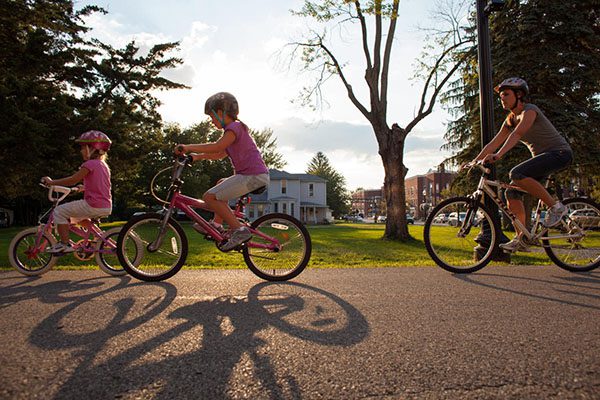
(503, 333)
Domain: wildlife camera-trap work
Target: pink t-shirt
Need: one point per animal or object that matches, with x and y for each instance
(97, 184)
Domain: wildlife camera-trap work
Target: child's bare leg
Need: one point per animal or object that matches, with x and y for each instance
(222, 211)
(63, 232)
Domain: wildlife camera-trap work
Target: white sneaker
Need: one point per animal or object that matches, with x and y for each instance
(238, 237)
(515, 245)
(555, 214)
(60, 248)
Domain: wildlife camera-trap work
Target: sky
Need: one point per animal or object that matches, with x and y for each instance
(239, 46)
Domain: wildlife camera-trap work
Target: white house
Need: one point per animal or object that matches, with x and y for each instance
(303, 196)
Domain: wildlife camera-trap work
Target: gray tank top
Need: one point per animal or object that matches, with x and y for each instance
(542, 136)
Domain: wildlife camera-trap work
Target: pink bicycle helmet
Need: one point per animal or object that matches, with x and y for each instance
(95, 139)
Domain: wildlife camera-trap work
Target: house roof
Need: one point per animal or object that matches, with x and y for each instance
(277, 174)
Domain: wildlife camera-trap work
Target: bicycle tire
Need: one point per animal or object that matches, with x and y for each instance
(110, 266)
(452, 252)
(146, 265)
(31, 265)
(577, 255)
(293, 256)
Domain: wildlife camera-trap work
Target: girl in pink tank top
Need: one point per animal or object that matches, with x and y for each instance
(236, 143)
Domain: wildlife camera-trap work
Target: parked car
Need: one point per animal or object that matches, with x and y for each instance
(381, 218)
(441, 218)
(454, 219)
(409, 219)
(354, 218)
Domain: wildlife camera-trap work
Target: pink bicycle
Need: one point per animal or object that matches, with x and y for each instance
(279, 249)
(27, 251)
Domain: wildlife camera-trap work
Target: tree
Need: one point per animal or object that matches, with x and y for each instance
(338, 198)
(555, 46)
(317, 54)
(54, 85)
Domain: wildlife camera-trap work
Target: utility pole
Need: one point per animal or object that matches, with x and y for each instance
(486, 112)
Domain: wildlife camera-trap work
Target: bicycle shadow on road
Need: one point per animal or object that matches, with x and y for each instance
(61, 291)
(213, 348)
(564, 285)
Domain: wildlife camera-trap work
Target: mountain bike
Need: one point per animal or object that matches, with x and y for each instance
(279, 249)
(573, 244)
(28, 253)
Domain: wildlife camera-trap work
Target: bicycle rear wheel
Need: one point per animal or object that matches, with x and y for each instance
(106, 253)
(581, 253)
(459, 229)
(140, 260)
(284, 261)
(28, 258)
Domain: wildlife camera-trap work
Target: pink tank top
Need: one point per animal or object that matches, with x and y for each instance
(97, 184)
(244, 154)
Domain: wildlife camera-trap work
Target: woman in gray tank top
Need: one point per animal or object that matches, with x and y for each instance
(550, 152)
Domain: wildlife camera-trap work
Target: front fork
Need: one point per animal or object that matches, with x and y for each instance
(157, 243)
(470, 215)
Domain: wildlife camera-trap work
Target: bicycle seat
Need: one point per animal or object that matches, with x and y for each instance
(256, 191)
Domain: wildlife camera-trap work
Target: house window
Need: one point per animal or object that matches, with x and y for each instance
(283, 186)
(311, 189)
(251, 213)
(292, 209)
(284, 208)
(276, 207)
(260, 210)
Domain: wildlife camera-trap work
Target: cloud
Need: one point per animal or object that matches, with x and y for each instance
(352, 149)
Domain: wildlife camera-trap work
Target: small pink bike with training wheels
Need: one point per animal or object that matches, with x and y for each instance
(28, 253)
(279, 249)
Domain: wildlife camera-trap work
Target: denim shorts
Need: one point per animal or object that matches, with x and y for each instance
(539, 168)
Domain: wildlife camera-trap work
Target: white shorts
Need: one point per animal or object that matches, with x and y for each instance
(78, 210)
(238, 185)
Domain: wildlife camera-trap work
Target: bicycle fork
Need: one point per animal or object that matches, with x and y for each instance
(157, 243)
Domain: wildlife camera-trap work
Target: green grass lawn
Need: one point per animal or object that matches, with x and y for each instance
(334, 246)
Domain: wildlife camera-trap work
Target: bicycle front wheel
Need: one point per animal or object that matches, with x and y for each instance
(281, 248)
(27, 257)
(145, 255)
(579, 248)
(459, 237)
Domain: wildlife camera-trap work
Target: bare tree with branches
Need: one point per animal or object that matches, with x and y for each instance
(317, 56)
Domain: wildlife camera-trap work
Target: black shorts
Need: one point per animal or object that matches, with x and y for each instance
(539, 168)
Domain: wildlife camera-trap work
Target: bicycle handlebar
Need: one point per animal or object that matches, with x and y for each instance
(478, 164)
(63, 190)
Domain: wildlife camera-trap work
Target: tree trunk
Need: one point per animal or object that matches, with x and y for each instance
(391, 150)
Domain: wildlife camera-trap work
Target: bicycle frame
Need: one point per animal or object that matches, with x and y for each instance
(490, 187)
(89, 234)
(186, 204)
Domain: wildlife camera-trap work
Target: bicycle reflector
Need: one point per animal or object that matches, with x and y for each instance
(281, 227)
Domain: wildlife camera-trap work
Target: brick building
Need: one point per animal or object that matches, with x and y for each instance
(425, 191)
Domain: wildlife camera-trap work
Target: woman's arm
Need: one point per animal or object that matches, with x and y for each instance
(522, 127)
(496, 142)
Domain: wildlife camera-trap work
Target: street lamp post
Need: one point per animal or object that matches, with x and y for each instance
(486, 113)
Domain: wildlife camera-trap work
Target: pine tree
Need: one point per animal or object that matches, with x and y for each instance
(338, 198)
(555, 46)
